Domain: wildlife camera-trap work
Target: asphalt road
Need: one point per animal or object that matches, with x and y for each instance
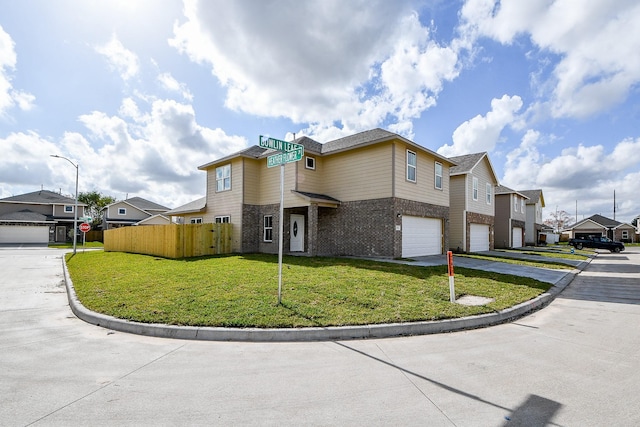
(574, 363)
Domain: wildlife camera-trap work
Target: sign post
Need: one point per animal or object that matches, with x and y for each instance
(452, 291)
(85, 227)
(289, 152)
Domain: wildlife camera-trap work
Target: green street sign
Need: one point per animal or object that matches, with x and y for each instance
(276, 144)
(287, 157)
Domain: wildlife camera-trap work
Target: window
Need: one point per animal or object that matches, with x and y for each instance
(411, 166)
(515, 203)
(488, 193)
(223, 219)
(68, 208)
(438, 182)
(310, 163)
(223, 178)
(625, 234)
(268, 228)
(196, 221)
(522, 205)
(122, 211)
(475, 188)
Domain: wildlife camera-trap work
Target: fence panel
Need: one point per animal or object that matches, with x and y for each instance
(171, 241)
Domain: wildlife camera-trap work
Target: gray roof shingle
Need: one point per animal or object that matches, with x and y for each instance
(44, 197)
(465, 163)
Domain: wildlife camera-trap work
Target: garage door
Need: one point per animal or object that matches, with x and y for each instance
(517, 237)
(479, 237)
(24, 234)
(421, 236)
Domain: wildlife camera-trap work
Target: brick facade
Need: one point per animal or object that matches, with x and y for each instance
(476, 218)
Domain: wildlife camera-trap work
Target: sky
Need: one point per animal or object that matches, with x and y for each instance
(140, 93)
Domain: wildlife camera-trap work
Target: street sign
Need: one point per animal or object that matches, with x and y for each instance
(276, 144)
(85, 227)
(288, 157)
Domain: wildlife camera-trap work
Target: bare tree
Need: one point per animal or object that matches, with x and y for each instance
(559, 220)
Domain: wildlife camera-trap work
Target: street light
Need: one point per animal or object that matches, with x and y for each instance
(75, 210)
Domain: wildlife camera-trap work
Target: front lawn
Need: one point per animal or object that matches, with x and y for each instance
(241, 290)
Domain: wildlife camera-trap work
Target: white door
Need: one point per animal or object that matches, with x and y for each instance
(421, 236)
(24, 234)
(296, 233)
(479, 238)
(517, 237)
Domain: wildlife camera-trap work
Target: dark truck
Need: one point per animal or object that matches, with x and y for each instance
(597, 242)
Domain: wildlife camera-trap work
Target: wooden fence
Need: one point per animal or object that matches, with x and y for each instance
(171, 241)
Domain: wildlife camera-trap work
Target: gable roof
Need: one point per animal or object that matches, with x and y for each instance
(534, 196)
(198, 205)
(361, 139)
(141, 204)
(466, 163)
(42, 197)
(25, 215)
(503, 189)
(600, 220)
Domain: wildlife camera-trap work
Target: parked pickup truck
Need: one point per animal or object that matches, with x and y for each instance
(597, 242)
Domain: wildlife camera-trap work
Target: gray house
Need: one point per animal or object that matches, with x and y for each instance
(134, 211)
(511, 218)
(38, 218)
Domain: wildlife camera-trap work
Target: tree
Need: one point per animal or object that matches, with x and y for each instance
(95, 201)
(559, 220)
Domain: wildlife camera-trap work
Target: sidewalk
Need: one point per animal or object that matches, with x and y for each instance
(559, 278)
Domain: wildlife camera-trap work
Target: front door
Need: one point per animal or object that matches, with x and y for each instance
(61, 234)
(297, 233)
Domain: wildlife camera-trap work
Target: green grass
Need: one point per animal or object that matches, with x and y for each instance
(556, 265)
(78, 245)
(241, 291)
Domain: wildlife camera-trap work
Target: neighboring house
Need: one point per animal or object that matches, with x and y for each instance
(534, 225)
(511, 217)
(134, 211)
(374, 193)
(472, 209)
(598, 225)
(191, 213)
(41, 217)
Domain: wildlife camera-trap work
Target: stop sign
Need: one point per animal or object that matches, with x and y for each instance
(85, 226)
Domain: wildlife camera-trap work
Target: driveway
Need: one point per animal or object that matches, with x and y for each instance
(576, 362)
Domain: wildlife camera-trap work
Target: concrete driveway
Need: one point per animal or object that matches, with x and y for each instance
(576, 362)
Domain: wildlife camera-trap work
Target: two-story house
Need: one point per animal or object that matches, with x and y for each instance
(511, 217)
(134, 211)
(374, 193)
(472, 210)
(534, 226)
(38, 218)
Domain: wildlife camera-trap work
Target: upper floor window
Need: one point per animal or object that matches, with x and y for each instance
(411, 166)
(268, 228)
(522, 205)
(122, 211)
(438, 182)
(310, 163)
(515, 203)
(68, 208)
(223, 178)
(475, 188)
(195, 221)
(223, 219)
(488, 193)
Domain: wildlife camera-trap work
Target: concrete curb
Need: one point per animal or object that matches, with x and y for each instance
(314, 334)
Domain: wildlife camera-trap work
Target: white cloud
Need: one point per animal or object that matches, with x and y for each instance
(597, 43)
(10, 97)
(120, 58)
(168, 82)
(357, 63)
(482, 133)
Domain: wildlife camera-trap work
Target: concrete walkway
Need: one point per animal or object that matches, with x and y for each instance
(559, 278)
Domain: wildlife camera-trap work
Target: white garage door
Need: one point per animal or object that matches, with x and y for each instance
(479, 236)
(517, 237)
(24, 234)
(421, 236)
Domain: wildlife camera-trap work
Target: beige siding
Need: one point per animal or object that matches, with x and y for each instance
(423, 190)
(360, 174)
(227, 202)
(483, 173)
(131, 212)
(252, 169)
(311, 180)
(457, 225)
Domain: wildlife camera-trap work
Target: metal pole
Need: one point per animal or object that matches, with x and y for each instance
(280, 233)
(75, 214)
